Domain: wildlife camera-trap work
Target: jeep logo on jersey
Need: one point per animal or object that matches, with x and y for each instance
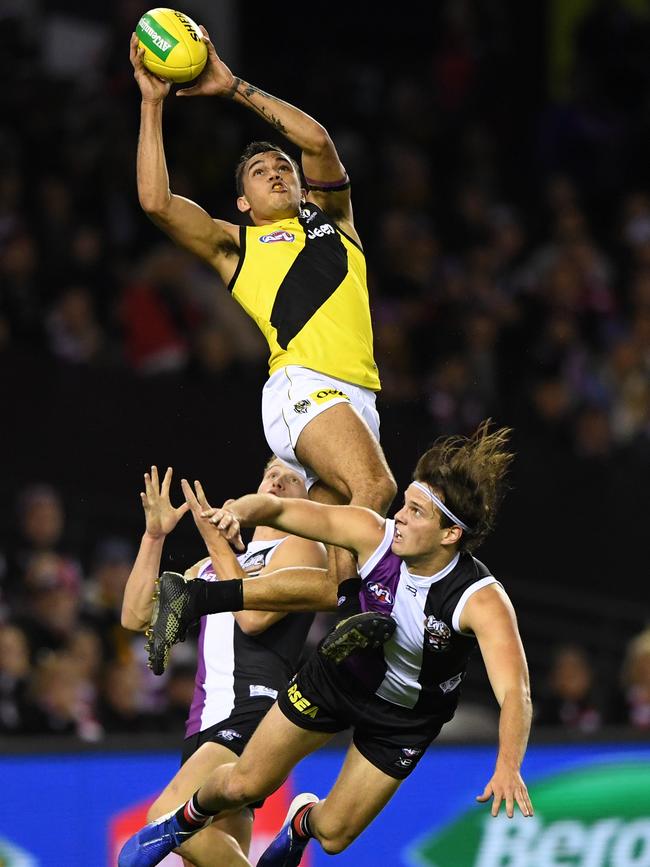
(321, 231)
(274, 237)
(381, 593)
(326, 394)
(302, 405)
(437, 634)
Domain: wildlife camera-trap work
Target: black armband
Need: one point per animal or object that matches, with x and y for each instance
(213, 597)
(348, 598)
(329, 186)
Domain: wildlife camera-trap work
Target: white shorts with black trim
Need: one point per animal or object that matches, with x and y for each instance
(294, 395)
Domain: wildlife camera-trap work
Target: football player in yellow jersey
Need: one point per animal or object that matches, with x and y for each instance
(299, 272)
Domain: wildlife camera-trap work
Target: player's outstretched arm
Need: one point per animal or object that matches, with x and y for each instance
(294, 581)
(359, 530)
(490, 616)
(160, 519)
(324, 172)
(214, 241)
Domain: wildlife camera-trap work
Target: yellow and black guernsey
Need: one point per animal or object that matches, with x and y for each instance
(304, 283)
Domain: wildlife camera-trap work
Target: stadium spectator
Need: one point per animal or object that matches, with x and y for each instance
(569, 699)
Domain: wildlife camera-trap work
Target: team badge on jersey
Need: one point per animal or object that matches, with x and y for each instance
(275, 237)
(302, 405)
(437, 634)
(256, 561)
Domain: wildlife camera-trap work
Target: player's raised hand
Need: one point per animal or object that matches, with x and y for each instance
(202, 511)
(160, 516)
(196, 502)
(227, 523)
(216, 78)
(152, 88)
(507, 786)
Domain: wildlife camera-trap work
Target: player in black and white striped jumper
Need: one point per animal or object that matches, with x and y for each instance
(244, 659)
(419, 568)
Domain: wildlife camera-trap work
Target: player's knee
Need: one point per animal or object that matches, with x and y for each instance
(376, 493)
(337, 842)
(333, 833)
(387, 490)
(239, 790)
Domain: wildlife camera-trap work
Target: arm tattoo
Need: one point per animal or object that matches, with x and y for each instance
(249, 90)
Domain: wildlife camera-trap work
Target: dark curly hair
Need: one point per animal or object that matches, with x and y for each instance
(251, 150)
(468, 474)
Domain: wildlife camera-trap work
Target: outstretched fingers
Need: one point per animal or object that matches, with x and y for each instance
(518, 795)
(190, 496)
(523, 801)
(166, 482)
(200, 495)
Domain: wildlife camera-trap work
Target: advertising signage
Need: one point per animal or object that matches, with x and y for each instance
(592, 809)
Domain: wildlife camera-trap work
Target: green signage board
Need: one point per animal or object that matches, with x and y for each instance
(595, 816)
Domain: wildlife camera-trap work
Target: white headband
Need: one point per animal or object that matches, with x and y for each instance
(441, 505)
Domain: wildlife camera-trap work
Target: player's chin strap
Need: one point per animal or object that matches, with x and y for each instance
(426, 490)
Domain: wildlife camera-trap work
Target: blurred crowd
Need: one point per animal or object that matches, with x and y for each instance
(508, 245)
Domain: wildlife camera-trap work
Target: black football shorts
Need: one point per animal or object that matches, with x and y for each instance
(390, 737)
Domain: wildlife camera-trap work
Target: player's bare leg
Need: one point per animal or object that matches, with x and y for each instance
(340, 448)
(226, 841)
(336, 821)
(275, 748)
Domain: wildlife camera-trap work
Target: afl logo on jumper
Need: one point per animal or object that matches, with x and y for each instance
(381, 593)
(274, 237)
(437, 634)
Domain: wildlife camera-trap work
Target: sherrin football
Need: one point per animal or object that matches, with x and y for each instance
(173, 44)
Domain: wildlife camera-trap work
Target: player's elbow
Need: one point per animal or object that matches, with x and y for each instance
(154, 204)
(320, 142)
(517, 694)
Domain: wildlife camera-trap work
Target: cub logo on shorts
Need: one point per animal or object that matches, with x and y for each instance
(228, 734)
(326, 394)
(437, 634)
(301, 703)
(274, 237)
(302, 405)
(381, 593)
